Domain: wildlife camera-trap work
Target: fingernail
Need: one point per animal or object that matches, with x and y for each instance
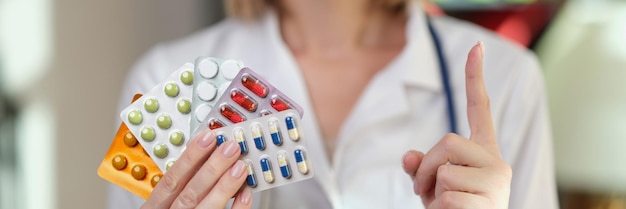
(230, 149)
(206, 139)
(245, 196)
(237, 169)
(482, 48)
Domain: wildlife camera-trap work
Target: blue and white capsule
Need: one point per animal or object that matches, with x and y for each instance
(257, 134)
(241, 140)
(285, 170)
(251, 179)
(292, 128)
(275, 132)
(301, 162)
(266, 167)
(220, 139)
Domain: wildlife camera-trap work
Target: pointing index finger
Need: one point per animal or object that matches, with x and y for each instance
(478, 108)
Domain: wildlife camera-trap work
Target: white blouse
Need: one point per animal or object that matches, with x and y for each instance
(403, 107)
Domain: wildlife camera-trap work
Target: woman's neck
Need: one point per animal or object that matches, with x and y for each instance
(336, 27)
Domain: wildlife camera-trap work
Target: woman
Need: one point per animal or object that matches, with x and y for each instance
(373, 77)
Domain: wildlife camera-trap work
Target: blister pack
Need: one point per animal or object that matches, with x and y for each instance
(247, 97)
(212, 77)
(273, 147)
(160, 118)
(127, 165)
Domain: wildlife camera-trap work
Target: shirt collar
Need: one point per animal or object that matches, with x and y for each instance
(419, 58)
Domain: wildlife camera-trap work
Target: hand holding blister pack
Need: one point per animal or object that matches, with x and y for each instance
(273, 148)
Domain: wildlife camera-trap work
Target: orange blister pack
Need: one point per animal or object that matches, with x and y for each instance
(127, 165)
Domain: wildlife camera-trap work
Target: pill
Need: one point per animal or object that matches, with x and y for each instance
(274, 132)
(292, 128)
(231, 114)
(251, 179)
(220, 139)
(177, 137)
(164, 121)
(254, 85)
(266, 167)
(279, 104)
(138, 172)
(147, 133)
(169, 164)
(183, 106)
(285, 170)
(135, 117)
(130, 140)
(202, 111)
(241, 140)
(243, 100)
(151, 105)
(155, 179)
(171, 89)
(215, 124)
(264, 113)
(160, 150)
(186, 77)
(303, 168)
(207, 69)
(206, 91)
(229, 69)
(257, 136)
(119, 162)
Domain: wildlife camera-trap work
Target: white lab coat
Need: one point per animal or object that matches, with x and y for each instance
(403, 107)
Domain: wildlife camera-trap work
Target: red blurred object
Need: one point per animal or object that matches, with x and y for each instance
(215, 124)
(231, 114)
(243, 100)
(522, 24)
(279, 104)
(254, 85)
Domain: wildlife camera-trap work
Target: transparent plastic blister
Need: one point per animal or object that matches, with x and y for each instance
(212, 77)
(273, 147)
(248, 97)
(160, 118)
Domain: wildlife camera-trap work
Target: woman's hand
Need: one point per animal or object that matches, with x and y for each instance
(459, 172)
(203, 177)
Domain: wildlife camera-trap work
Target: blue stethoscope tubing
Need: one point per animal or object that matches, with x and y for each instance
(445, 76)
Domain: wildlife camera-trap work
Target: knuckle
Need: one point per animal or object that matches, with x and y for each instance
(211, 169)
(443, 173)
(448, 200)
(187, 200)
(449, 142)
(169, 184)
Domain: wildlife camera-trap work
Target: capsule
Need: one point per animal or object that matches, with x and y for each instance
(254, 85)
(231, 114)
(257, 135)
(274, 132)
(220, 139)
(243, 100)
(241, 140)
(215, 124)
(292, 129)
(251, 179)
(303, 168)
(279, 104)
(266, 167)
(285, 170)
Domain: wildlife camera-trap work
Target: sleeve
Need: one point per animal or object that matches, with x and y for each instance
(143, 76)
(530, 154)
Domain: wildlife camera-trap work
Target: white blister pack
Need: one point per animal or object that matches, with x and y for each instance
(160, 118)
(213, 76)
(273, 147)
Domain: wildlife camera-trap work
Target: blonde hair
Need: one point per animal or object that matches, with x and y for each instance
(252, 9)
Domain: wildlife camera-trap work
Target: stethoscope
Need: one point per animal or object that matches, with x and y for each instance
(445, 76)
(445, 79)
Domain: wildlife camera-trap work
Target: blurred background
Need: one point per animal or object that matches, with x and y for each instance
(62, 64)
